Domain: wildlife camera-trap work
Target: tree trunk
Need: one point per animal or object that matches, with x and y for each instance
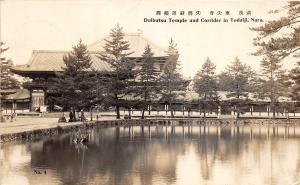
(237, 112)
(91, 111)
(143, 113)
(117, 106)
(74, 115)
(171, 109)
(1, 117)
(204, 111)
(274, 112)
(118, 111)
(129, 114)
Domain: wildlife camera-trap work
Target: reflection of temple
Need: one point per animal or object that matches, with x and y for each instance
(44, 63)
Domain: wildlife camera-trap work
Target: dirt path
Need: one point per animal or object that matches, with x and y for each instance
(28, 124)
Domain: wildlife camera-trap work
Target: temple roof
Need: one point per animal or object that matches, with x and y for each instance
(46, 60)
(51, 60)
(137, 45)
(20, 94)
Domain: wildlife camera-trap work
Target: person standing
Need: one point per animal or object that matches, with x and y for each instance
(82, 116)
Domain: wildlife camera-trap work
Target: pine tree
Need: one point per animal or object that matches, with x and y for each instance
(281, 37)
(75, 83)
(272, 84)
(222, 80)
(171, 80)
(147, 77)
(115, 54)
(295, 76)
(7, 79)
(276, 40)
(238, 75)
(77, 61)
(205, 84)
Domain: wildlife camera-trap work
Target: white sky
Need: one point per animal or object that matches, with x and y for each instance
(57, 25)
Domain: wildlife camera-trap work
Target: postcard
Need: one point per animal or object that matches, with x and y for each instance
(149, 92)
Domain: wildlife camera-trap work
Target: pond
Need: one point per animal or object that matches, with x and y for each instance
(158, 155)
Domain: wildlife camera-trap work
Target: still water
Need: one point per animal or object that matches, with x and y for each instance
(158, 155)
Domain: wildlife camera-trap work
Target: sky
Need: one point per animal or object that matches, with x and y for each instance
(28, 25)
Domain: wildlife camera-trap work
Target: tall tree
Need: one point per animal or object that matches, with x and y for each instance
(147, 77)
(238, 75)
(281, 37)
(273, 81)
(75, 83)
(205, 84)
(7, 81)
(222, 80)
(295, 76)
(115, 54)
(172, 83)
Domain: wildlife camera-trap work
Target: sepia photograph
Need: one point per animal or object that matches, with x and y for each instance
(140, 92)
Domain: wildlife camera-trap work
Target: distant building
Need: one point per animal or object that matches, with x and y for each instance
(44, 63)
(12, 98)
(16, 101)
(254, 103)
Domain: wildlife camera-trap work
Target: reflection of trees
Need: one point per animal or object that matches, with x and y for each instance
(230, 146)
(207, 147)
(297, 161)
(126, 156)
(111, 153)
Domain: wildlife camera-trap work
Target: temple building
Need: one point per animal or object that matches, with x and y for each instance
(17, 101)
(44, 63)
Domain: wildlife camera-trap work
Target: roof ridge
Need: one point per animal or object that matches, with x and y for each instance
(107, 36)
(97, 41)
(152, 43)
(133, 34)
(136, 34)
(49, 51)
(57, 51)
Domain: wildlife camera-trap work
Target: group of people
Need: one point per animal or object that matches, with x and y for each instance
(72, 116)
(12, 117)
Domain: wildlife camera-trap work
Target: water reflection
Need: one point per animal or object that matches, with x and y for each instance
(177, 155)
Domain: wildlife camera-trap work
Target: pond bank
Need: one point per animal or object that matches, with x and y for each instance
(57, 128)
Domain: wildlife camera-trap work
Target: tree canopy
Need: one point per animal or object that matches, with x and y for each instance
(75, 83)
(205, 84)
(238, 77)
(7, 81)
(281, 37)
(147, 77)
(115, 53)
(171, 80)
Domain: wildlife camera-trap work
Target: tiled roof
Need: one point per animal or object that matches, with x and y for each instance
(137, 45)
(20, 94)
(50, 60)
(45, 60)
